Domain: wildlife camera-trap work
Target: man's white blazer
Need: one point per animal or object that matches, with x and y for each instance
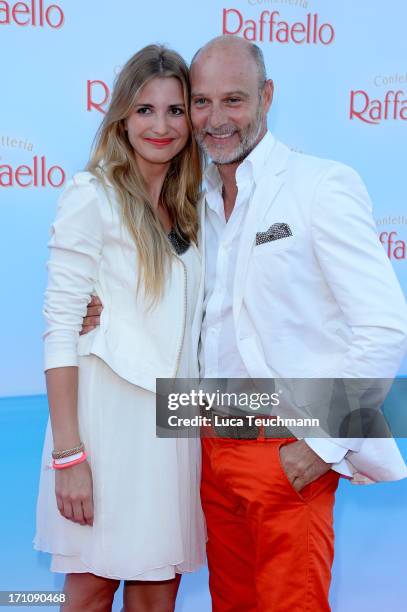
(323, 299)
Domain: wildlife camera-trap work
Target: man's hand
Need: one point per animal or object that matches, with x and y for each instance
(301, 464)
(92, 319)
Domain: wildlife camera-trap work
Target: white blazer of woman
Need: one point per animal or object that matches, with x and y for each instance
(92, 252)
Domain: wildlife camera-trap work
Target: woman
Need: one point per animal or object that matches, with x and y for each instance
(121, 504)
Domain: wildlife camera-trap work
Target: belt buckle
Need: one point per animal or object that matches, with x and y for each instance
(235, 432)
(280, 431)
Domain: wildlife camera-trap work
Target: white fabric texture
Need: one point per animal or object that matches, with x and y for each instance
(219, 355)
(92, 252)
(260, 302)
(148, 521)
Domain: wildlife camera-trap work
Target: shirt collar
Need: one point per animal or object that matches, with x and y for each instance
(253, 163)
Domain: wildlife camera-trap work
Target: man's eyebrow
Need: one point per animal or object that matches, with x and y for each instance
(227, 94)
(237, 92)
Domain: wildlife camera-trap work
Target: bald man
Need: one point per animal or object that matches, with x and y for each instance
(296, 285)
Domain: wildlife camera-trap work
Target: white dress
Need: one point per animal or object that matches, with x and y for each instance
(148, 521)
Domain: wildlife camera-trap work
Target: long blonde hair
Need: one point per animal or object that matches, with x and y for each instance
(113, 157)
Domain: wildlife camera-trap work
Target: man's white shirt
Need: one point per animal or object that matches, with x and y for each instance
(219, 356)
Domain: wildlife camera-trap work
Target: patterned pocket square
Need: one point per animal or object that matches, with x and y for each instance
(274, 232)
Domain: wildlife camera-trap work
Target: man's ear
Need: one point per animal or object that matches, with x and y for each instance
(268, 93)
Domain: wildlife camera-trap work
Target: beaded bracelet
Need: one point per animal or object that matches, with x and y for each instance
(68, 452)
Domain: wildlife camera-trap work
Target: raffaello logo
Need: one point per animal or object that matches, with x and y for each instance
(97, 96)
(270, 28)
(35, 13)
(37, 173)
(391, 107)
(394, 246)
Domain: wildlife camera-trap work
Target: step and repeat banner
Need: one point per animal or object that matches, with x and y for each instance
(340, 72)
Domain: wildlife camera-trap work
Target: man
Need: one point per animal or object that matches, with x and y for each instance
(296, 285)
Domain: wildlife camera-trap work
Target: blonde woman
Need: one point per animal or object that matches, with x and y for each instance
(120, 504)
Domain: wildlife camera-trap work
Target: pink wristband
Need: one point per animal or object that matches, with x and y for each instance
(62, 466)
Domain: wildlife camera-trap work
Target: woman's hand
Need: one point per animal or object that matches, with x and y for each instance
(74, 493)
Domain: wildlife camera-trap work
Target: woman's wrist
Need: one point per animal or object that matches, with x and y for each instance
(67, 462)
(66, 439)
(67, 452)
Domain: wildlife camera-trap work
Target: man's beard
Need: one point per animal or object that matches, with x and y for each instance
(248, 139)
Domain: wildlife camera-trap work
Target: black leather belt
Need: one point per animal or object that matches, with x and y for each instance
(240, 427)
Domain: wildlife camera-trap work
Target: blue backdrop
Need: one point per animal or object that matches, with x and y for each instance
(341, 92)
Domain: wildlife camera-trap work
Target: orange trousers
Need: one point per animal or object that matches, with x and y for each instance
(270, 548)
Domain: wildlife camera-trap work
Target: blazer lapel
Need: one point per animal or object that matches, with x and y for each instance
(264, 195)
(197, 319)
